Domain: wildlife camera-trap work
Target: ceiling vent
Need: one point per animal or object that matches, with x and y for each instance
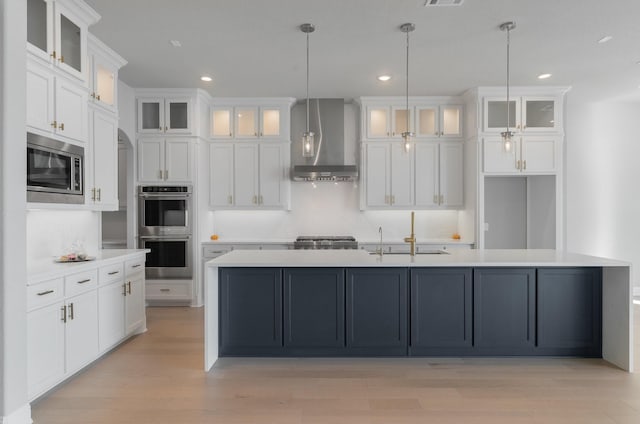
(428, 3)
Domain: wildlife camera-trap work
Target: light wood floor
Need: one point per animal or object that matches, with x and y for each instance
(157, 378)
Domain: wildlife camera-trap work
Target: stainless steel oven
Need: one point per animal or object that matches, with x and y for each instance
(55, 171)
(170, 257)
(164, 210)
(165, 215)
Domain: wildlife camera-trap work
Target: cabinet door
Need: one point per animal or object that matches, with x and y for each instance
(71, 110)
(427, 122)
(221, 175)
(178, 160)
(377, 308)
(401, 175)
(377, 174)
(570, 310)
(177, 115)
(539, 114)
(271, 175)
(451, 174)
(150, 160)
(104, 77)
(70, 41)
(40, 86)
(451, 121)
(82, 330)
(40, 28)
(539, 154)
(221, 122)
(504, 309)
(151, 115)
(246, 122)
(111, 314)
(245, 175)
(378, 122)
(45, 348)
(495, 114)
(134, 303)
(426, 158)
(496, 159)
(400, 117)
(314, 307)
(270, 122)
(441, 309)
(105, 161)
(250, 309)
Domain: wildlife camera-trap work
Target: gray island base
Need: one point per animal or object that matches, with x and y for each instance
(466, 303)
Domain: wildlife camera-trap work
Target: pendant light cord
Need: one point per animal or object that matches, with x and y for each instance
(407, 84)
(508, 105)
(307, 82)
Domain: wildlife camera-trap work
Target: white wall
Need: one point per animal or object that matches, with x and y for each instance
(328, 209)
(602, 176)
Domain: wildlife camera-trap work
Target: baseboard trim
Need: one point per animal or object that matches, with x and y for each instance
(20, 416)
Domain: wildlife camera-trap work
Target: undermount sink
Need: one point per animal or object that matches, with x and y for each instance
(424, 252)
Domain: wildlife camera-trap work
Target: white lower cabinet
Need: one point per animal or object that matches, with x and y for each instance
(528, 155)
(248, 175)
(72, 320)
(439, 174)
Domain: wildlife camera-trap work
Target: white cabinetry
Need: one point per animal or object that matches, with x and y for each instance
(388, 175)
(71, 320)
(101, 175)
(528, 155)
(165, 159)
(55, 105)
(526, 114)
(438, 121)
(439, 174)
(387, 121)
(165, 115)
(57, 34)
(254, 118)
(104, 64)
(248, 175)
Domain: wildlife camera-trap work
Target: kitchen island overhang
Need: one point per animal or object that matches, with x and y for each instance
(616, 290)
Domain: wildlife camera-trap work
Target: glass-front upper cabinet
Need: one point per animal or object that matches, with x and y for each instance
(164, 115)
(401, 117)
(221, 122)
(104, 64)
(427, 120)
(526, 114)
(439, 121)
(58, 34)
(245, 122)
(246, 125)
(378, 122)
(269, 122)
(451, 121)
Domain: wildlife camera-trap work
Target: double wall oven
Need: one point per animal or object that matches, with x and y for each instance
(165, 216)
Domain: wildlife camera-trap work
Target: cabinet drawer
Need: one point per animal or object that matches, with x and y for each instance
(110, 273)
(80, 282)
(44, 293)
(134, 266)
(215, 251)
(168, 291)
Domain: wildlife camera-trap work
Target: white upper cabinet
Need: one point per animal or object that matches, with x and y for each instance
(101, 170)
(165, 115)
(165, 160)
(439, 121)
(527, 114)
(529, 155)
(55, 105)
(245, 120)
(57, 34)
(387, 121)
(439, 174)
(388, 176)
(104, 64)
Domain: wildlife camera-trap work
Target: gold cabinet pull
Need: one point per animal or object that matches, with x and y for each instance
(435, 198)
(124, 289)
(260, 201)
(166, 174)
(53, 55)
(93, 95)
(517, 164)
(61, 126)
(393, 199)
(128, 287)
(254, 200)
(99, 195)
(71, 311)
(98, 97)
(229, 134)
(63, 309)
(54, 124)
(524, 164)
(93, 194)
(61, 59)
(166, 128)
(230, 199)
(160, 173)
(442, 199)
(45, 292)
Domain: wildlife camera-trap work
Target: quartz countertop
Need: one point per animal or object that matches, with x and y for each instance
(454, 258)
(47, 269)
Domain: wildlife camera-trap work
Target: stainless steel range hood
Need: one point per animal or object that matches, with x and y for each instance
(335, 142)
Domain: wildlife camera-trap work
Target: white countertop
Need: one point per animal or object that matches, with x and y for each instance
(47, 269)
(455, 258)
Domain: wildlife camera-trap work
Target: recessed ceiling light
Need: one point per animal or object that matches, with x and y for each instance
(605, 39)
(544, 76)
(206, 78)
(175, 43)
(384, 77)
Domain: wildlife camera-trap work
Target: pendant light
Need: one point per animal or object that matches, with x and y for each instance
(308, 141)
(407, 135)
(507, 135)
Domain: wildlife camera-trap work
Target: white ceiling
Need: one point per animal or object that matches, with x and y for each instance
(255, 48)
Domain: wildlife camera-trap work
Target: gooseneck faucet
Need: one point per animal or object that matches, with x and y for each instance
(379, 250)
(412, 238)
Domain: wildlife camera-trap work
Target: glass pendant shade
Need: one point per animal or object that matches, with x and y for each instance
(507, 135)
(308, 144)
(406, 140)
(507, 140)
(407, 135)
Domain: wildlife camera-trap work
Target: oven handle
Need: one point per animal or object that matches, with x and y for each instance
(167, 238)
(165, 196)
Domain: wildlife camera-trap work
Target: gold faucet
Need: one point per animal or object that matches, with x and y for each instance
(412, 238)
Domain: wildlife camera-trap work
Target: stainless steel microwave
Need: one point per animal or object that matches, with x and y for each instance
(55, 171)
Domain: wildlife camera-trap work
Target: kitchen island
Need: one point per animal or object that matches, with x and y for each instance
(464, 303)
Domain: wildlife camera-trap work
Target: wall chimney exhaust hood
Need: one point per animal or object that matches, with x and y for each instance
(330, 163)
